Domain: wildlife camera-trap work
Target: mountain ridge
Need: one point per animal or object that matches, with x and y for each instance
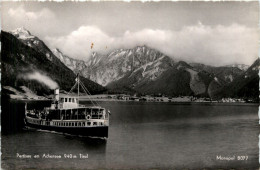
(203, 81)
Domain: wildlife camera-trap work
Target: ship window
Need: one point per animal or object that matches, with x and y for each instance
(72, 100)
(69, 124)
(89, 123)
(94, 123)
(66, 100)
(101, 123)
(69, 99)
(83, 124)
(72, 124)
(62, 99)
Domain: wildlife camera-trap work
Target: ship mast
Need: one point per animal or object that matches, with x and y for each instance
(84, 88)
(78, 87)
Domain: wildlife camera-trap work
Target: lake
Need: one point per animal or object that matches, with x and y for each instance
(143, 135)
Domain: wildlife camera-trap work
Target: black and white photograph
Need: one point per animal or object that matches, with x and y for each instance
(130, 85)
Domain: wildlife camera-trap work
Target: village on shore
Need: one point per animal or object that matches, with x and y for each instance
(161, 98)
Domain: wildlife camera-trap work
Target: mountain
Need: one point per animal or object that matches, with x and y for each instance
(75, 65)
(32, 41)
(244, 86)
(167, 77)
(119, 63)
(148, 71)
(24, 54)
(243, 67)
(225, 73)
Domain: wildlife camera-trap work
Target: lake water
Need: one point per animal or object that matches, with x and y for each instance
(147, 135)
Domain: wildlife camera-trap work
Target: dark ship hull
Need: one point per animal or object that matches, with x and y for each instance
(99, 131)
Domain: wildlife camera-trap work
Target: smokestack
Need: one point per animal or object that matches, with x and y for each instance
(57, 94)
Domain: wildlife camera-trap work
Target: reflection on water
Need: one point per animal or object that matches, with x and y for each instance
(148, 135)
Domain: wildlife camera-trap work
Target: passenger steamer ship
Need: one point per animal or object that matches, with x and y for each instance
(66, 115)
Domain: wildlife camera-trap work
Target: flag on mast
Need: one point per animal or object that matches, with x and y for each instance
(77, 78)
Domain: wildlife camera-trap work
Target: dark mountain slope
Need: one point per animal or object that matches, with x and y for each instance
(245, 86)
(166, 77)
(226, 74)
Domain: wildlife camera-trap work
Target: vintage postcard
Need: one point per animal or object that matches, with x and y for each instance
(129, 85)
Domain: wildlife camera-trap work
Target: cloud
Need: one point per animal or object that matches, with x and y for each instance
(43, 19)
(78, 43)
(20, 13)
(218, 45)
(43, 79)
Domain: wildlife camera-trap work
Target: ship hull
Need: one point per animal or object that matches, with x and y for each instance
(99, 131)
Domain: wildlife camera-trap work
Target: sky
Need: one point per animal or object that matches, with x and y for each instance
(214, 33)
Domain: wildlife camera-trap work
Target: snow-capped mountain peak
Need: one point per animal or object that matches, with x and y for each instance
(32, 41)
(21, 30)
(22, 33)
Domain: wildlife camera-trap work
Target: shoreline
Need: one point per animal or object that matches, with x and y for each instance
(209, 102)
(133, 101)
